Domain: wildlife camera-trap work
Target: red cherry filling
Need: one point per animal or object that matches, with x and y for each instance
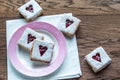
(42, 49)
(97, 57)
(68, 22)
(30, 38)
(30, 8)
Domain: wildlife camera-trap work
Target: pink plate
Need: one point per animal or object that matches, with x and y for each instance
(12, 50)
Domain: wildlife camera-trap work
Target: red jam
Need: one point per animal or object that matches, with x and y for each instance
(42, 49)
(30, 8)
(30, 38)
(97, 57)
(68, 22)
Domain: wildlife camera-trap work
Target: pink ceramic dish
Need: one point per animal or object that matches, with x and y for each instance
(12, 50)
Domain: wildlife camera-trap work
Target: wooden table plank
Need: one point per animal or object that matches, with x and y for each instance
(100, 26)
(82, 7)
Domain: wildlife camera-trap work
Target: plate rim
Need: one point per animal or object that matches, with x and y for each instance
(50, 69)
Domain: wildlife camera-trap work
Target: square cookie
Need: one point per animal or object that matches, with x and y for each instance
(68, 25)
(41, 51)
(27, 38)
(98, 59)
(30, 10)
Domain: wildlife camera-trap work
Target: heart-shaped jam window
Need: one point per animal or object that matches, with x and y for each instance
(97, 57)
(30, 8)
(68, 22)
(42, 49)
(30, 38)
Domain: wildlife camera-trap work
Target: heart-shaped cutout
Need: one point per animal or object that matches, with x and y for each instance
(68, 22)
(30, 38)
(42, 49)
(30, 8)
(97, 57)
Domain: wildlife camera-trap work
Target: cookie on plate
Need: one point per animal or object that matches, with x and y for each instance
(68, 25)
(27, 38)
(98, 59)
(42, 51)
(30, 10)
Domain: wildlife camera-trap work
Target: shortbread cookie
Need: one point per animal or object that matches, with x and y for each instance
(98, 59)
(30, 10)
(27, 38)
(68, 25)
(41, 51)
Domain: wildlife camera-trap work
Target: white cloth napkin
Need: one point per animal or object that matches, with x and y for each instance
(70, 67)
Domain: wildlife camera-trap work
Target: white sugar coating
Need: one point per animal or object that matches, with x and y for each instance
(96, 65)
(70, 30)
(35, 53)
(37, 10)
(23, 41)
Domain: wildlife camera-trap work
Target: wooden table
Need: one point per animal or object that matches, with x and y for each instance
(100, 26)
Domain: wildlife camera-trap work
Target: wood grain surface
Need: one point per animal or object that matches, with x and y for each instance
(100, 26)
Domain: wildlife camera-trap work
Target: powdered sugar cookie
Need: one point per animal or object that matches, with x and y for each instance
(41, 51)
(98, 59)
(68, 25)
(30, 10)
(27, 38)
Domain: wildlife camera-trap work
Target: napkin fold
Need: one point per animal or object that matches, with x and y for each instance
(71, 65)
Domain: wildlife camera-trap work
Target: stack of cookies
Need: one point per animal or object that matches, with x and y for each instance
(34, 43)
